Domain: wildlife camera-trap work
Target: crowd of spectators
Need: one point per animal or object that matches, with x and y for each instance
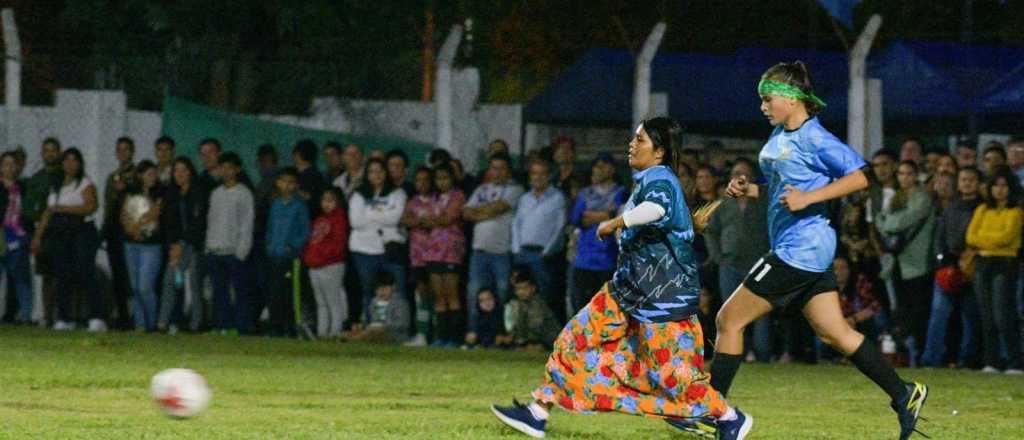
(365, 249)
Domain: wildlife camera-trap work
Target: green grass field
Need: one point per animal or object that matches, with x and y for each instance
(76, 385)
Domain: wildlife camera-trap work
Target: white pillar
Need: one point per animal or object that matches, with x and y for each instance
(856, 113)
(642, 79)
(12, 50)
(875, 116)
(443, 93)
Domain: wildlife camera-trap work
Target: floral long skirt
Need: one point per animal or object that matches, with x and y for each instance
(605, 361)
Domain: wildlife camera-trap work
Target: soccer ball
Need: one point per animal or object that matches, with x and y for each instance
(180, 392)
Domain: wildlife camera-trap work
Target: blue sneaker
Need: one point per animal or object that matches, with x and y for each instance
(735, 429)
(519, 417)
(908, 409)
(706, 427)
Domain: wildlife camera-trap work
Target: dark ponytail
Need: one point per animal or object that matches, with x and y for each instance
(796, 75)
(667, 135)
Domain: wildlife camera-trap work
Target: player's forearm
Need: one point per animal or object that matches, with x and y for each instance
(848, 184)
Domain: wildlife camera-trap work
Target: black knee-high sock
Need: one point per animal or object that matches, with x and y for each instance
(723, 370)
(458, 324)
(870, 361)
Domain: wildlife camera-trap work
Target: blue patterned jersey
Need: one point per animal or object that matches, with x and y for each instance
(808, 158)
(656, 276)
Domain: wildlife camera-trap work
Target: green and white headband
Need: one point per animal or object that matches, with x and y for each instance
(768, 87)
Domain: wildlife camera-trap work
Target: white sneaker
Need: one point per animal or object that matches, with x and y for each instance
(97, 326)
(990, 370)
(64, 326)
(1014, 371)
(419, 340)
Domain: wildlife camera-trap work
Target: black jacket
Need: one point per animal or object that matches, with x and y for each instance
(183, 217)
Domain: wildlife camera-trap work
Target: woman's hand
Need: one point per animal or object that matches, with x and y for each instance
(794, 199)
(609, 227)
(740, 187)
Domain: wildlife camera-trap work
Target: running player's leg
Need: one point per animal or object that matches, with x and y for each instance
(742, 308)
(826, 317)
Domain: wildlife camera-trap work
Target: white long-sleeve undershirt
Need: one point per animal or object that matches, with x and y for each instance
(643, 214)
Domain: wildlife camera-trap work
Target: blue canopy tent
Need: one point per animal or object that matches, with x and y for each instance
(927, 87)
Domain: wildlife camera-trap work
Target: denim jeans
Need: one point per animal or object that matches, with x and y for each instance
(486, 269)
(182, 304)
(729, 278)
(995, 283)
(226, 272)
(15, 264)
(143, 261)
(367, 266)
(943, 306)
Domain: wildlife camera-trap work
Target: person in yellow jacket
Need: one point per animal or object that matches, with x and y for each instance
(995, 231)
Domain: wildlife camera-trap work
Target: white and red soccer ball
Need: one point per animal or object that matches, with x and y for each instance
(180, 392)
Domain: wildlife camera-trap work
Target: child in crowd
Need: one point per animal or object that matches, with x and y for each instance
(287, 231)
(325, 256)
(491, 319)
(533, 324)
(389, 314)
(228, 241)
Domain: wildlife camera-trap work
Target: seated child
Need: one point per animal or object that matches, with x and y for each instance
(491, 321)
(389, 315)
(533, 325)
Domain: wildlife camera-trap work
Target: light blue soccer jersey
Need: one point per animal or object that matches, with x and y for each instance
(808, 158)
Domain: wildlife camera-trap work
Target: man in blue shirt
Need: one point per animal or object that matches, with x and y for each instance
(595, 259)
(536, 230)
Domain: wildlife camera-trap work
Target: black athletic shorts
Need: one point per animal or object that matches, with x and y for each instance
(783, 285)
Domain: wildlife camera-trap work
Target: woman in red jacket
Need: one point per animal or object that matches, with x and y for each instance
(325, 255)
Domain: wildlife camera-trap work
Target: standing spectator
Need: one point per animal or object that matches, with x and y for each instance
(352, 177)
(945, 164)
(287, 231)
(995, 230)
(164, 149)
(993, 158)
(491, 208)
(140, 218)
(229, 234)
(463, 180)
(438, 156)
(118, 184)
(37, 190)
(15, 258)
(68, 234)
(446, 253)
(966, 154)
(880, 195)
(707, 186)
(1015, 157)
(567, 177)
(911, 150)
(263, 196)
(311, 182)
(950, 244)
(325, 255)
(537, 231)
(332, 161)
(943, 190)
(690, 158)
(595, 259)
(717, 159)
(737, 236)
(183, 220)
(907, 226)
(376, 243)
(209, 154)
(398, 163)
(416, 219)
